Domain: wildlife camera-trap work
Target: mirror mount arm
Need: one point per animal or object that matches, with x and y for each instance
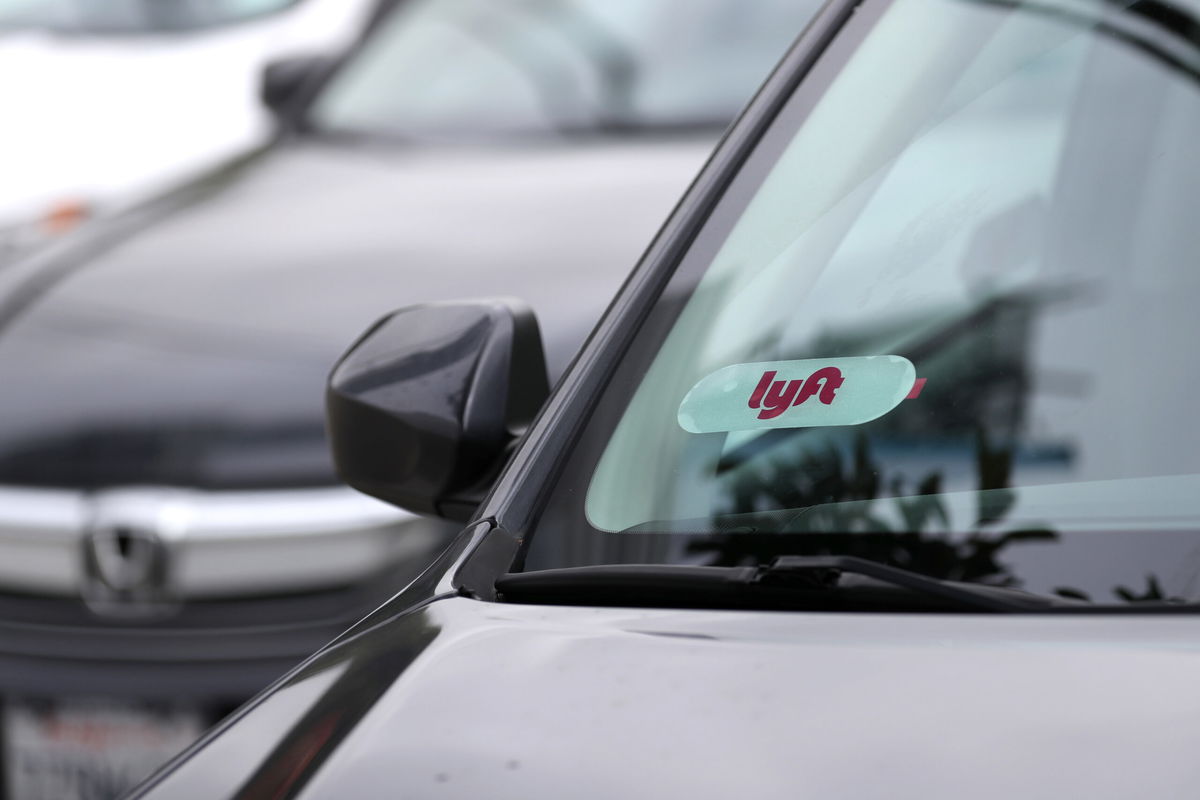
(461, 505)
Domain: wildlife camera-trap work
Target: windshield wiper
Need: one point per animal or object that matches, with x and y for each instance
(842, 583)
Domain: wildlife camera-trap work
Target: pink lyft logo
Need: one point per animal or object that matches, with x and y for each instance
(802, 393)
(776, 397)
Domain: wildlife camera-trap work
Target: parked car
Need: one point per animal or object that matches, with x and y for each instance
(108, 103)
(960, 563)
(172, 532)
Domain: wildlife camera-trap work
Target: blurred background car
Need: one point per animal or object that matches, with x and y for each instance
(172, 533)
(106, 102)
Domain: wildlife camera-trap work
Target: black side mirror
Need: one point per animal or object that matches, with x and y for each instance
(287, 82)
(422, 410)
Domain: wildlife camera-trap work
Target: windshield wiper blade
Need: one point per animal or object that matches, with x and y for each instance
(979, 596)
(789, 582)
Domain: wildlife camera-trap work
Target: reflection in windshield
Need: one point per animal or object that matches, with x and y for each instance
(912, 530)
(1007, 209)
(131, 16)
(470, 67)
(851, 520)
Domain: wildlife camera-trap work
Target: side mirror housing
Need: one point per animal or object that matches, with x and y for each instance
(285, 83)
(422, 410)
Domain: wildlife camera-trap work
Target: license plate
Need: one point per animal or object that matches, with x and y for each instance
(89, 749)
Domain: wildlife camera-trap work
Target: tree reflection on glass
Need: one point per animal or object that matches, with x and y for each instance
(850, 517)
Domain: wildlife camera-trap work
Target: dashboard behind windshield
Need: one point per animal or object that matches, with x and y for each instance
(1005, 209)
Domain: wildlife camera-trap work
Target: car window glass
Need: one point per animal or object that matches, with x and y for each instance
(442, 67)
(1004, 208)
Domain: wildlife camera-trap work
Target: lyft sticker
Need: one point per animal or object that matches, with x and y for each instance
(797, 394)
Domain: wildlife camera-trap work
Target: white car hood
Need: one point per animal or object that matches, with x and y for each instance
(108, 120)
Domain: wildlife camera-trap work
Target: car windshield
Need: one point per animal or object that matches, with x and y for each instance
(466, 68)
(942, 319)
(130, 16)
